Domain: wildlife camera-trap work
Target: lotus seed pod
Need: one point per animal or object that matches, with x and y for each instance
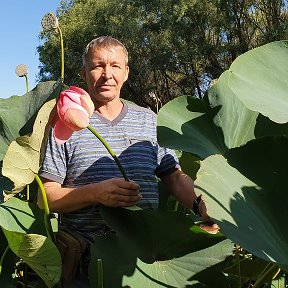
(49, 21)
(21, 70)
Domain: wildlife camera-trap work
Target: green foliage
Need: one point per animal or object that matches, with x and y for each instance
(176, 47)
(157, 249)
(23, 130)
(24, 155)
(238, 130)
(20, 222)
(244, 154)
(18, 114)
(39, 253)
(221, 120)
(265, 68)
(199, 268)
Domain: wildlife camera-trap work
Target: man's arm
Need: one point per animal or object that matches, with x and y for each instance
(182, 187)
(113, 192)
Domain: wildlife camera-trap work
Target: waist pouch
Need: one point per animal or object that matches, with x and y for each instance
(72, 249)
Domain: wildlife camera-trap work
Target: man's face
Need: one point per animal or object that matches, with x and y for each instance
(105, 73)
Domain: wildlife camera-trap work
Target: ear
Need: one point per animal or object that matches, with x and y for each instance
(127, 73)
(83, 73)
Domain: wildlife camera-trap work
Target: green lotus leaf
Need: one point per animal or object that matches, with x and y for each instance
(246, 194)
(17, 116)
(189, 163)
(237, 123)
(192, 125)
(259, 79)
(23, 157)
(128, 270)
(159, 234)
(245, 174)
(17, 113)
(204, 266)
(39, 252)
(8, 267)
(23, 217)
(155, 242)
(183, 124)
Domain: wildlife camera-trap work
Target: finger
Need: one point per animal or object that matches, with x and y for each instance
(128, 184)
(126, 192)
(125, 204)
(128, 199)
(212, 229)
(203, 209)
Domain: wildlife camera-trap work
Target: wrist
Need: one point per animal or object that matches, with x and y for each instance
(195, 205)
(93, 196)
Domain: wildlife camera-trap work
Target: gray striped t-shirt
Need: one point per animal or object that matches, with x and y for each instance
(83, 159)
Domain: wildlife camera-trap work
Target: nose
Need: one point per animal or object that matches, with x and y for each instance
(107, 72)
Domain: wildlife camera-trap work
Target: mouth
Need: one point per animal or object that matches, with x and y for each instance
(104, 87)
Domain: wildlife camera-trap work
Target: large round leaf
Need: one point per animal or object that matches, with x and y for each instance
(192, 125)
(235, 120)
(202, 267)
(39, 252)
(159, 234)
(23, 217)
(17, 116)
(155, 242)
(259, 79)
(23, 157)
(246, 195)
(17, 113)
(183, 124)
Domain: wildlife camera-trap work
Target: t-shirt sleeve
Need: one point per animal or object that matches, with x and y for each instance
(167, 162)
(54, 162)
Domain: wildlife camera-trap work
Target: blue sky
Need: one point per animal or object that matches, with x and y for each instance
(20, 26)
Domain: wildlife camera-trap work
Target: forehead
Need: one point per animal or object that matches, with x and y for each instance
(107, 54)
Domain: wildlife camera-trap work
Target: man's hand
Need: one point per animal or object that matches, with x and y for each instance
(113, 192)
(182, 187)
(207, 225)
(117, 192)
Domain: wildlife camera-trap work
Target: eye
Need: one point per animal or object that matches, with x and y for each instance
(116, 66)
(96, 66)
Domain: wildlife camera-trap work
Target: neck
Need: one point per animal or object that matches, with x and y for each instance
(109, 110)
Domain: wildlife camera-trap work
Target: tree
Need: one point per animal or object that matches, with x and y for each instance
(176, 47)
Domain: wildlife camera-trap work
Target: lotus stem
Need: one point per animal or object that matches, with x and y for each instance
(276, 274)
(28, 193)
(268, 269)
(100, 273)
(62, 52)
(110, 151)
(238, 264)
(3, 257)
(27, 83)
(241, 260)
(47, 221)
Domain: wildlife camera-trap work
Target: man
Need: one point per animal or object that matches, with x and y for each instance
(80, 174)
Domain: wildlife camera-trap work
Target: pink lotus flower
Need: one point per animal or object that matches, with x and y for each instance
(74, 107)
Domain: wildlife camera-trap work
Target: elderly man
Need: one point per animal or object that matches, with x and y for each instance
(80, 175)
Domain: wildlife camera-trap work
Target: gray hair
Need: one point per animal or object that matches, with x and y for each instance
(103, 42)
